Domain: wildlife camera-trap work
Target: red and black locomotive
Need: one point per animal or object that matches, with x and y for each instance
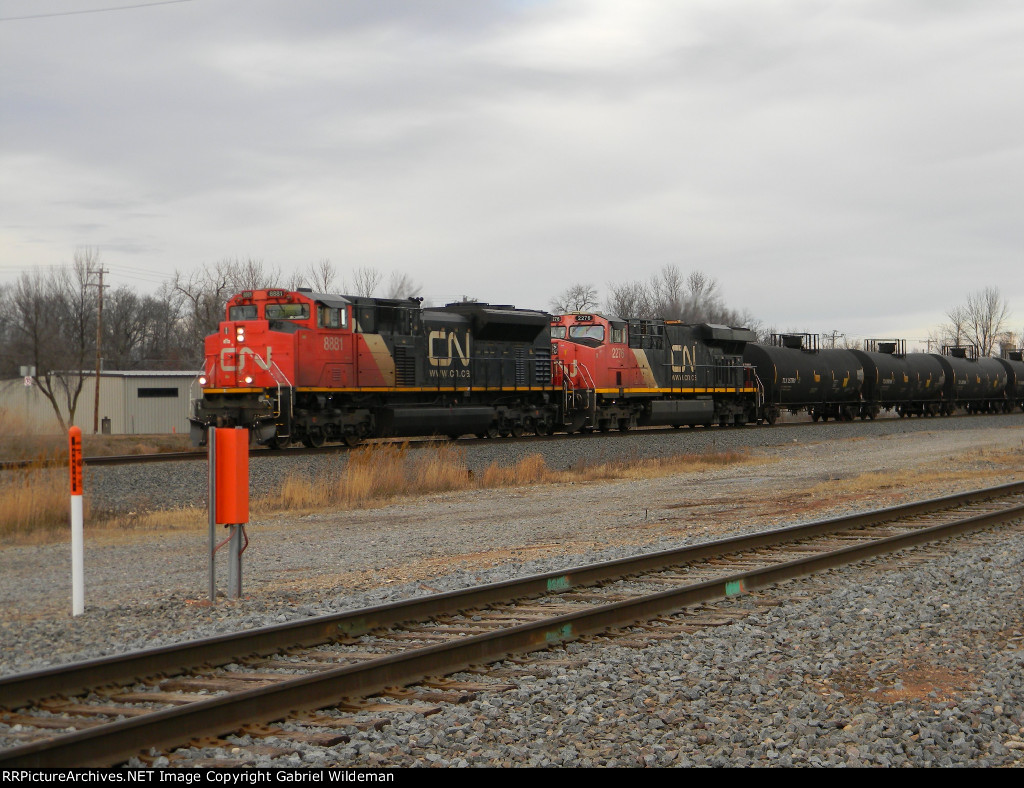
(313, 367)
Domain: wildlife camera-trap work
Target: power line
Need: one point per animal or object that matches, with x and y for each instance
(93, 10)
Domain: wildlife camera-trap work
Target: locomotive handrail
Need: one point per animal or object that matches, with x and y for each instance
(291, 389)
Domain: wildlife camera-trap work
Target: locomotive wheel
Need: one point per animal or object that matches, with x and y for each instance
(543, 428)
(351, 440)
(604, 425)
(623, 425)
(516, 431)
(314, 439)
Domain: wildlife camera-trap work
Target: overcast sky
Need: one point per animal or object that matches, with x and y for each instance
(850, 166)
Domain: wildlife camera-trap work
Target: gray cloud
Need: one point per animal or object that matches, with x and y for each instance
(846, 166)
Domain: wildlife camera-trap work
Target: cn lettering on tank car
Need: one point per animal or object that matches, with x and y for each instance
(316, 367)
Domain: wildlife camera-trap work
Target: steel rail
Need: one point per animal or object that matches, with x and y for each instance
(127, 459)
(117, 741)
(22, 688)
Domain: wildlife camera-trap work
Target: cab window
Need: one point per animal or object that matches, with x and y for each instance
(245, 312)
(618, 335)
(331, 317)
(286, 311)
(558, 332)
(587, 335)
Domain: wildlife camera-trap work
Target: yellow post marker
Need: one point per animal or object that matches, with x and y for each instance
(77, 525)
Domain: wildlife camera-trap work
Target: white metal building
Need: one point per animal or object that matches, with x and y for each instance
(131, 403)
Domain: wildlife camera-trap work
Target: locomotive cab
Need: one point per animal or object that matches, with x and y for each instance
(589, 351)
(260, 355)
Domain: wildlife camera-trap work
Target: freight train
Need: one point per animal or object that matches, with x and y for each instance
(299, 366)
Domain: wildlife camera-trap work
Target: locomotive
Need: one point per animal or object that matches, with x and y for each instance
(625, 373)
(300, 366)
(315, 367)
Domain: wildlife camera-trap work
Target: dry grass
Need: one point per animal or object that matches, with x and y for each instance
(980, 465)
(374, 475)
(34, 504)
(21, 440)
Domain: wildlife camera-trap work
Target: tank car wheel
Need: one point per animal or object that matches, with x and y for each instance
(604, 425)
(351, 440)
(624, 425)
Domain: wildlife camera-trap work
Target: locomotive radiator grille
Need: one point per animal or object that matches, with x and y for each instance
(542, 366)
(405, 367)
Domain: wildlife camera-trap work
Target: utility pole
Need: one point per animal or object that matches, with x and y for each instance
(831, 338)
(99, 357)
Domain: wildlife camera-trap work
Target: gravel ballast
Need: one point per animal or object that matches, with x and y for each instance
(920, 665)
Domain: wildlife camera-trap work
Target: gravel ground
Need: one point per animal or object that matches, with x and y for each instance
(918, 666)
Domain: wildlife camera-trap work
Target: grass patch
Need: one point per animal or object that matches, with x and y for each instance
(34, 503)
(21, 440)
(979, 464)
(375, 475)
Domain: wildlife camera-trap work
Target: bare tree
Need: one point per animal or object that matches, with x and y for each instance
(365, 281)
(51, 321)
(579, 297)
(402, 286)
(692, 299)
(987, 315)
(980, 321)
(629, 299)
(124, 328)
(322, 276)
(668, 294)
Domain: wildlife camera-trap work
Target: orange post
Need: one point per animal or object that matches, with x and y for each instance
(232, 476)
(75, 459)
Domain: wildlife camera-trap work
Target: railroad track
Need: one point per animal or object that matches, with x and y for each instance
(104, 711)
(334, 448)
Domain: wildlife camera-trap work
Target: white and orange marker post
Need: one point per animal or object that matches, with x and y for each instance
(77, 523)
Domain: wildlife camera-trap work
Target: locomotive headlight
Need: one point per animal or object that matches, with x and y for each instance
(202, 380)
(240, 334)
(248, 378)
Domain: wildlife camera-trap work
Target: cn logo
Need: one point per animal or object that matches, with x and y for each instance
(689, 356)
(443, 347)
(227, 356)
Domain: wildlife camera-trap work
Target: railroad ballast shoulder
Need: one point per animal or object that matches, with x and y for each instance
(315, 367)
